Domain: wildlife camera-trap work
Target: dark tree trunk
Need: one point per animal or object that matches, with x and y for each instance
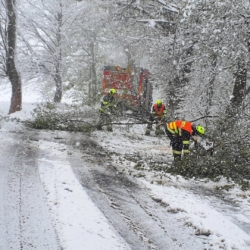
(176, 86)
(58, 80)
(11, 70)
(239, 85)
(93, 75)
(58, 63)
(235, 106)
(173, 100)
(210, 88)
(239, 90)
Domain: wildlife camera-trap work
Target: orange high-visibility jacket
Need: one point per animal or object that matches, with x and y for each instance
(174, 127)
(159, 111)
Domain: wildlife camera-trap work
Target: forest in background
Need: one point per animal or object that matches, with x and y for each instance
(196, 50)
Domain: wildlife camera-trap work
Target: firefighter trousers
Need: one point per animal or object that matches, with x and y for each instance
(179, 143)
(104, 119)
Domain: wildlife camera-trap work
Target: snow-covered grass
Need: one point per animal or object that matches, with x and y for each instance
(79, 222)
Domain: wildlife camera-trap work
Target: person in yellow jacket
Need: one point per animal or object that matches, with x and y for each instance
(180, 133)
(106, 109)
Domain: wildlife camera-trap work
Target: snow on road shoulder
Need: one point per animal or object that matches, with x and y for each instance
(78, 221)
(210, 220)
(199, 214)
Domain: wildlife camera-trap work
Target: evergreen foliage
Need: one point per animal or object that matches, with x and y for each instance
(61, 117)
(228, 158)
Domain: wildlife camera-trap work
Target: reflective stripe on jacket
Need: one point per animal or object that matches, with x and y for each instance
(159, 111)
(176, 127)
(107, 103)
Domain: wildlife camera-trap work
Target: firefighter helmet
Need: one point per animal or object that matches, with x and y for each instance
(112, 91)
(200, 130)
(159, 102)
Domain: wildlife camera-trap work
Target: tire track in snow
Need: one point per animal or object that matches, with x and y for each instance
(78, 221)
(139, 219)
(25, 219)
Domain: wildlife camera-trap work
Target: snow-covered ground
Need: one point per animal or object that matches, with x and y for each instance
(205, 213)
(78, 222)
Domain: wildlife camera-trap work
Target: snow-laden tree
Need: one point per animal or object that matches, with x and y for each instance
(3, 39)
(88, 36)
(158, 21)
(195, 46)
(64, 43)
(46, 30)
(219, 77)
(221, 53)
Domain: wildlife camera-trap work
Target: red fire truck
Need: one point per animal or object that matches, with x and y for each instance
(132, 85)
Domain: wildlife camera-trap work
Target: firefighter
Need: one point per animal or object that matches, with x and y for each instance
(180, 132)
(107, 106)
(158, 114)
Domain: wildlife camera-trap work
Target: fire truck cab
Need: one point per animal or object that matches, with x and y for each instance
(133, 86)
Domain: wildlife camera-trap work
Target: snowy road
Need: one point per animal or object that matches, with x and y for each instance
(43, 206)
(25, 217)
(55, 195)
(141, 221)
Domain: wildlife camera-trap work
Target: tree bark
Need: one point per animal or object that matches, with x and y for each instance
(58, 62)
(239, 90)
(11, 70)
(178, 84)
(210, 87)
(93, 75)
(239, 85)
(58, 80)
